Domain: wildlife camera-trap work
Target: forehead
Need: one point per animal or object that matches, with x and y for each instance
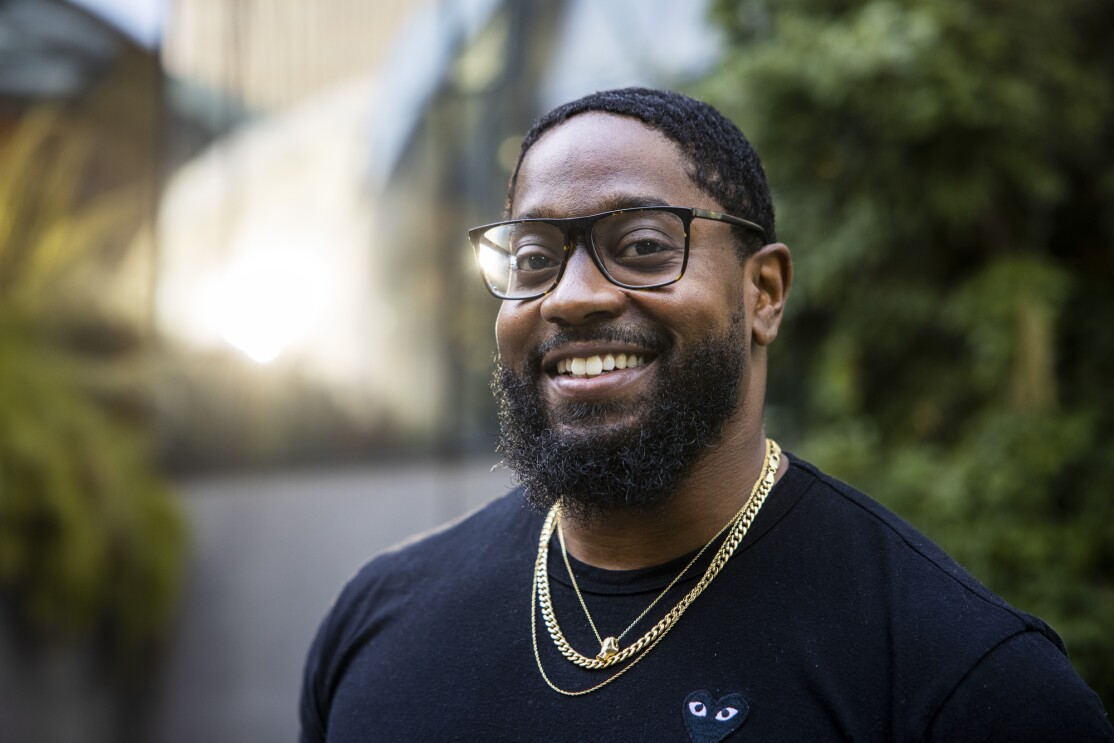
(595, 162)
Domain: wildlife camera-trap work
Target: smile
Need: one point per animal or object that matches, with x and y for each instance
(592, 366)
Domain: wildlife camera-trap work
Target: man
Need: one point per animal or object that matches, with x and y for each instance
(664, 572)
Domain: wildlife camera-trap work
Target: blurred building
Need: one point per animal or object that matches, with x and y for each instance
(300, 177)
(323, 234)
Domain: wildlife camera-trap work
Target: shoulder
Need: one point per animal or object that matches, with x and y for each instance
(872, 540)
(950, 642)
(1024, 689)
(417, 577)
(482, 538)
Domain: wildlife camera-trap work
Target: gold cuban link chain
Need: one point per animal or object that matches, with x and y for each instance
(610, 645)
(741, 524)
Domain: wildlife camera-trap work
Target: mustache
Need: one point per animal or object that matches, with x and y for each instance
(653, 339)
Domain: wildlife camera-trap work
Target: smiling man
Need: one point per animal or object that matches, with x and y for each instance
(665, 571)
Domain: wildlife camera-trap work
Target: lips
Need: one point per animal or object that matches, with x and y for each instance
(586, 370)
(592, 366)
(602, 363)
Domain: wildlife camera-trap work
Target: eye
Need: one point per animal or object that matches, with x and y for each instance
(726, 714)
(698, 709)
(535, 253)
(644, 244)
(643, 255)
(643, 247)
(642, 241)
(528, 260)
(536, 247)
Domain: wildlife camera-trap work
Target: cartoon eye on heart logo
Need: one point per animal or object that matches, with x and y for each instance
(710, 721)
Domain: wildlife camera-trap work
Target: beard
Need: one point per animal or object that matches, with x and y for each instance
(568, 455)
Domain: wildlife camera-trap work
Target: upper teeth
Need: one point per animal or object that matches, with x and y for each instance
(590, 366)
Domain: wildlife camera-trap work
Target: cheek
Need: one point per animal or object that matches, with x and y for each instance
(511, 333)
(714, 302)
(736, 292)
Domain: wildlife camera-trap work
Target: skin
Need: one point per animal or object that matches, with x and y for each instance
(592, 163)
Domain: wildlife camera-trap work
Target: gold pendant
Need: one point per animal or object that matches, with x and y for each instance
(609, 648)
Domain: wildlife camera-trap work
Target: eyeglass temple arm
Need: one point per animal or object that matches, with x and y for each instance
(720, 217)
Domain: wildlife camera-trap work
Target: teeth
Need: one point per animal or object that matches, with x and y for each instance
(592, 366)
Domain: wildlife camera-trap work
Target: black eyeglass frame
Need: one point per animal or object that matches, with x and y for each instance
(585, 226)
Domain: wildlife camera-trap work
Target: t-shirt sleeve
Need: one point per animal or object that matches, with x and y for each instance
(1025, 689)
(330, 650)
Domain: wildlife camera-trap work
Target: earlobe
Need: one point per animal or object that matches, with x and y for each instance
(772, 275)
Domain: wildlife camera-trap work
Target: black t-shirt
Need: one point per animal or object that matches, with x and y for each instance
(834, 620)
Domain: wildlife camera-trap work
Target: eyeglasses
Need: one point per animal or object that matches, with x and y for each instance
(638, 248)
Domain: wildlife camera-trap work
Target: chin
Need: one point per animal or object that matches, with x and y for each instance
(594, 415)
(622, 453)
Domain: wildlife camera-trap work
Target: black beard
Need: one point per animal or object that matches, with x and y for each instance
(600, 469)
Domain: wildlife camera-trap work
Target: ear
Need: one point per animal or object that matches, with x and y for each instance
(771, 274)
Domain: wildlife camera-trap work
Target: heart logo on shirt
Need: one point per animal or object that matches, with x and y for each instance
(710, 721)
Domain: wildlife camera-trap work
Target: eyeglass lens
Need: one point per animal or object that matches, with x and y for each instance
(638, 248)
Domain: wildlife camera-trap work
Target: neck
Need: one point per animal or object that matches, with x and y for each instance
(710, 496)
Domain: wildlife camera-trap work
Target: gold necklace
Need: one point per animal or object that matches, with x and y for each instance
(610, 654)
(610, 646)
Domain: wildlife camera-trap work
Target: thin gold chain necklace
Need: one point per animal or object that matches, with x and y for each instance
(610, 654)
(610, 645)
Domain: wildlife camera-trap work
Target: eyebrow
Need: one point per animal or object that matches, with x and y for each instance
(610, 203)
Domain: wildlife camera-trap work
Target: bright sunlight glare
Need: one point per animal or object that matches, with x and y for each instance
(267, 300)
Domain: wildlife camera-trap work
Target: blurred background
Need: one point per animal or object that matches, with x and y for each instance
(243, 346)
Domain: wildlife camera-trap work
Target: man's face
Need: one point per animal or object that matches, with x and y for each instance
(625, 437)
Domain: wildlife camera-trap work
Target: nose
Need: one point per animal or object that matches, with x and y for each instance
(583, 295)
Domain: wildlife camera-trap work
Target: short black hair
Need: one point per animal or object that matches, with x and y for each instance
(723, 163)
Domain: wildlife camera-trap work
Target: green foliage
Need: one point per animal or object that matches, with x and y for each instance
(89, 538)
(91, 544)
(942, 170)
